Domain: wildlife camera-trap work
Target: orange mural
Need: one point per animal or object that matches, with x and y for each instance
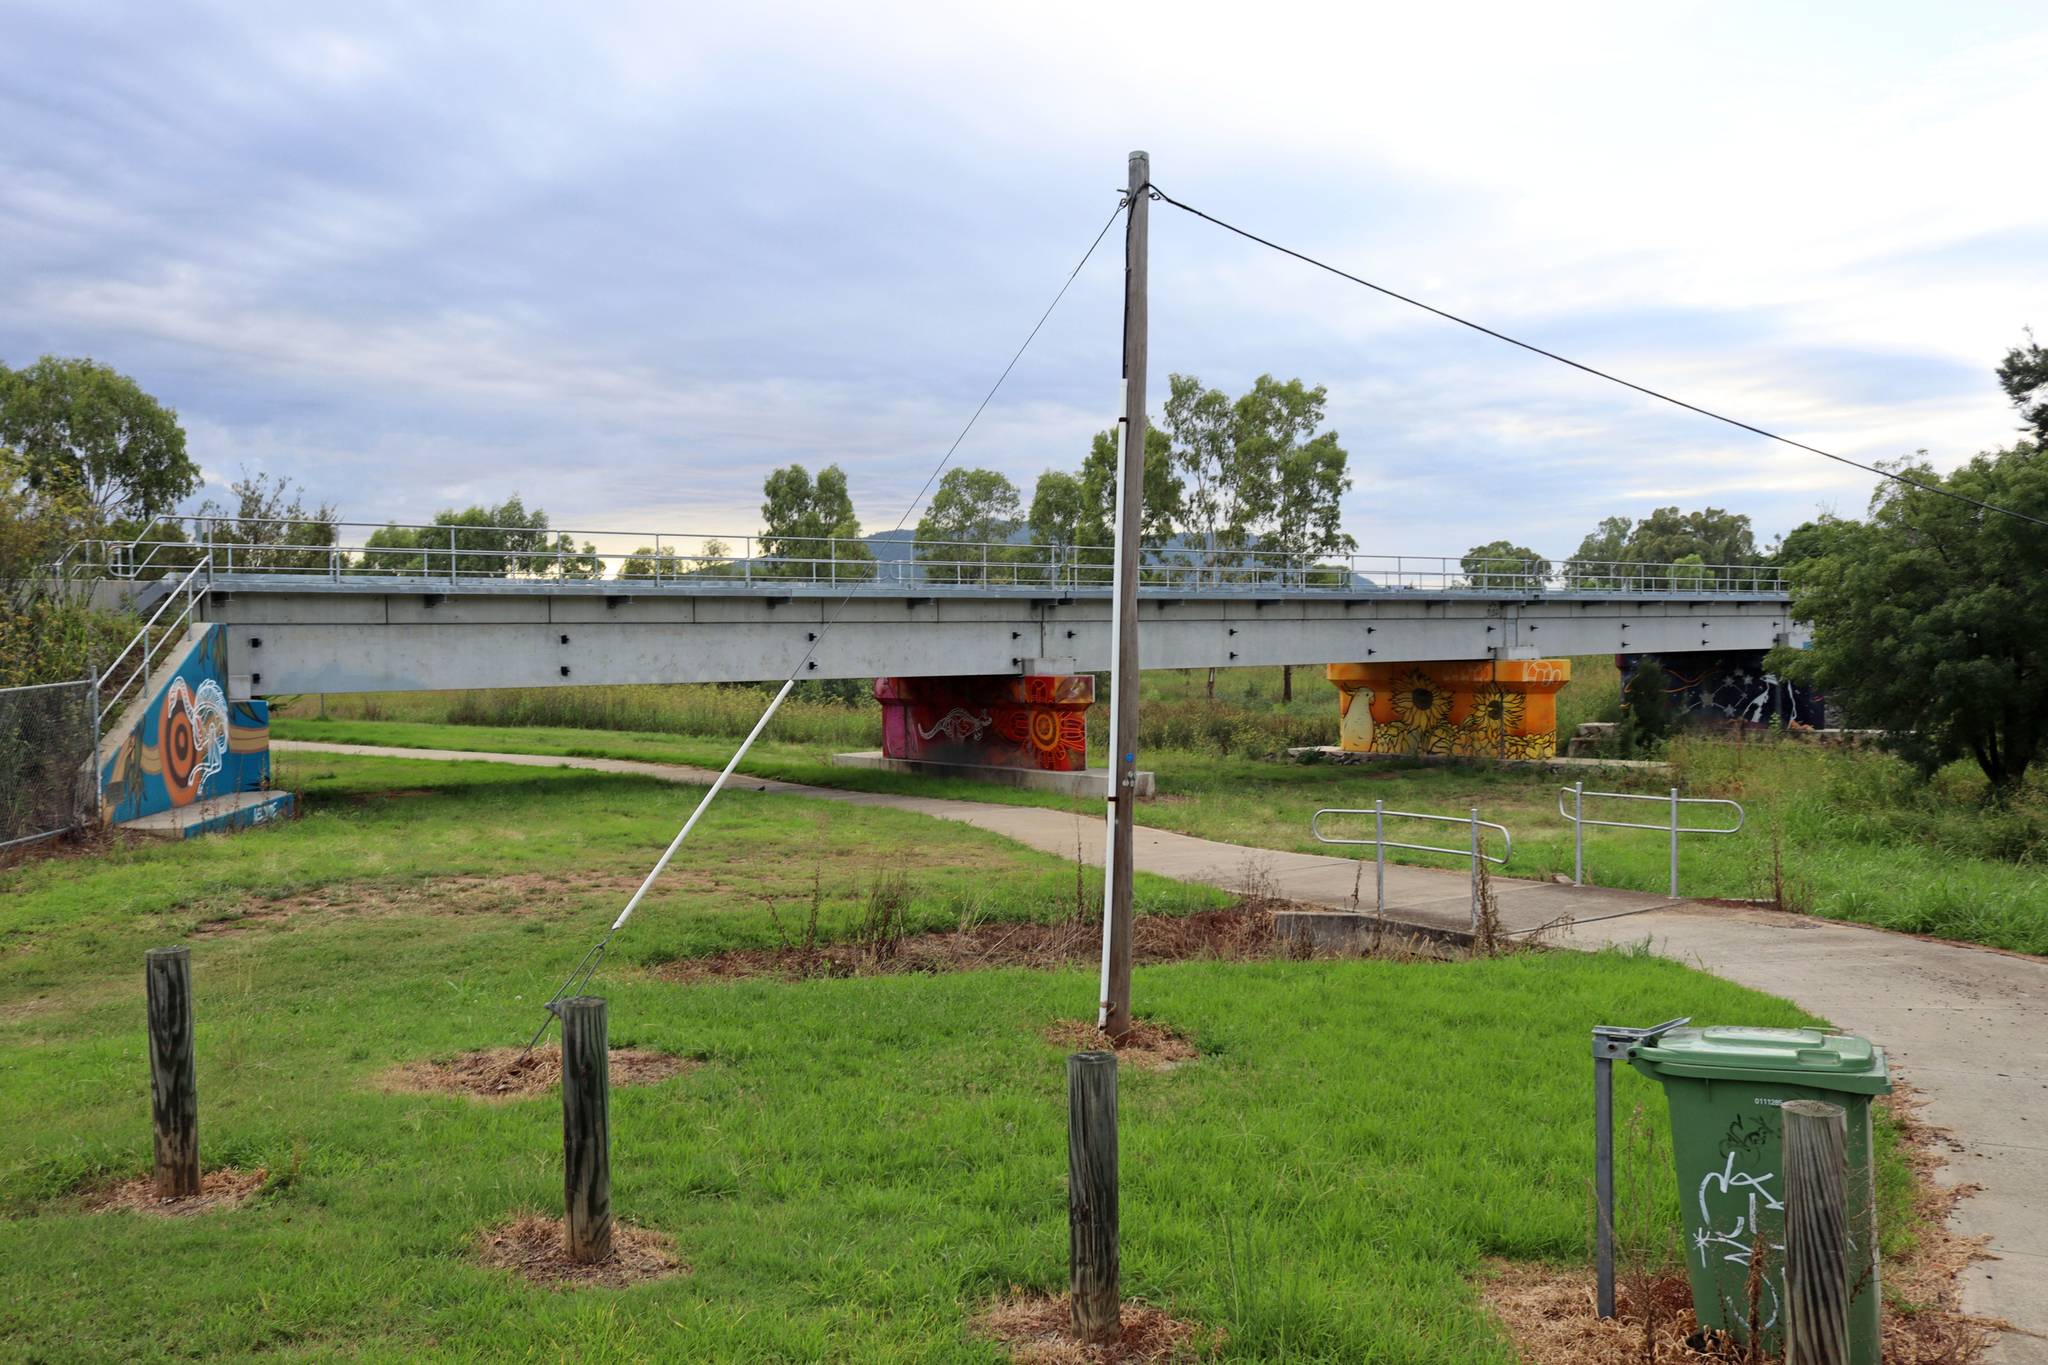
(1003, 721)
(1497, 709)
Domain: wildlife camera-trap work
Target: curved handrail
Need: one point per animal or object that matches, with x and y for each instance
(1741, 815)
(1507, 840)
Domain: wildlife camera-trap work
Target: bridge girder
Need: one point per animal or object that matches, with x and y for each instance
(297, 637)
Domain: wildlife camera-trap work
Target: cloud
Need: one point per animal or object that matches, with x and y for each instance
(626, 260)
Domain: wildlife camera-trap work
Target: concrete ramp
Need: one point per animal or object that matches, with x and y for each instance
(182, 758)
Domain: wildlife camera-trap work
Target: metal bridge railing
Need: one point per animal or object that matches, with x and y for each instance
(184, 597)
(1379, 843)
(441, 553)
(1577, 816)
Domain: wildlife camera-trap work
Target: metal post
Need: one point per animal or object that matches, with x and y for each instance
(1674, 843)
(1475, 869)
(1123, 758)
(99, 799)
(832, 553)
(747, 544)
(451, 554)
(1603, 1177)
(1379, 853)
(1579, 833)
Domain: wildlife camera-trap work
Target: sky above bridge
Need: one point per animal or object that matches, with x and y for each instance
(624, 259)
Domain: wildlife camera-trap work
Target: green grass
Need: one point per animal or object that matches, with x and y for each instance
(857, 1165)
(1856, 835)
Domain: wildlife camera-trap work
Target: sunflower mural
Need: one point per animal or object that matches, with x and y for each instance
(1505, 708)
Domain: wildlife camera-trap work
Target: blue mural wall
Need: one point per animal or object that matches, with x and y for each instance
(1732, 685)
(190, 743)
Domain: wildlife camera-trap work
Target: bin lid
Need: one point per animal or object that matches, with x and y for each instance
(1774, 1056)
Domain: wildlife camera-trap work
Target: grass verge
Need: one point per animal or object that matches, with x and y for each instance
(854, 1169)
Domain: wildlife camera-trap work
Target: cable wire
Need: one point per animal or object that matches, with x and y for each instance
(587, 965)
(1589, 369)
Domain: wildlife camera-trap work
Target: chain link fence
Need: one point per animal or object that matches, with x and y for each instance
(47, 737)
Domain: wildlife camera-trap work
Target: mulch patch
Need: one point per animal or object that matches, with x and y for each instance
(1148, 1046)
(1549, 1312)
(506, 1073)
(1037, 1331)
(222, 1189)
(1235, 933)
(536, 1248)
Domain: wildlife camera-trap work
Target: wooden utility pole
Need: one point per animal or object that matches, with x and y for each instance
(1123, 726)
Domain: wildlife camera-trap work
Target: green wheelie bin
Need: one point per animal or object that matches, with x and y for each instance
(1725, 1087)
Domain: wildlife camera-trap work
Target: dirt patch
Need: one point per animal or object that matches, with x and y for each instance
(1236, 933)
(535, 1247)
(1035, 1328)
(222, 1189)
(506, 1073)
(1149, 1046)
(1549, 1313)
(515, 896)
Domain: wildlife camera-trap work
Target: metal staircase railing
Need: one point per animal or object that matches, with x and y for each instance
(185, 595)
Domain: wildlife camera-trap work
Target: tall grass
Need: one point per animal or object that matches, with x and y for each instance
(701, 709)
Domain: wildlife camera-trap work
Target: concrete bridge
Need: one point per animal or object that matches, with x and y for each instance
(982, 654)
(463, 607)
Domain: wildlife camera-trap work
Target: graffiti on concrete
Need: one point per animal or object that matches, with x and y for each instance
(187, 742)
(1003, 721)
(1733, 685)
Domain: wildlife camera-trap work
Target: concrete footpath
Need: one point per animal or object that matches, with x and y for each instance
(1968, 1026)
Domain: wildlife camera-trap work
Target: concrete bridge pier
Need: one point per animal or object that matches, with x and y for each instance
(1496, 708)
(1025, 730)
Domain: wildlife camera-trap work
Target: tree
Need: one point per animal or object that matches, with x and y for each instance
(567, 561)
(810, 530)
(270, 518)
(648, 562)
(85, 428)
(1060, 512)
(1930, 617)
(1257, 474)
(967, 525)
(1606, 556)
(2023, 374)
(477, 542)
(1502, 564)
(1218, 493)
(1645, 708)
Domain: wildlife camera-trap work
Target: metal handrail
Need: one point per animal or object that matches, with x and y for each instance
(1380, 844)
(842, 562)
(1577, 818)
(190, 589)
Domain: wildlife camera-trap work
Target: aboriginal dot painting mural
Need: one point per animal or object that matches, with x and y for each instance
(1733, 685)
(1496, 709)
(1003, 722)
(187, 742)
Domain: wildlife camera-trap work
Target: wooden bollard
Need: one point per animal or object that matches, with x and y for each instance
(586, 1129)
(1091, 1197)
(1817, 1251)
(173, 1093)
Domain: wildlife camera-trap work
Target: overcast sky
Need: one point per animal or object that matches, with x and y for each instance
(624, 259)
